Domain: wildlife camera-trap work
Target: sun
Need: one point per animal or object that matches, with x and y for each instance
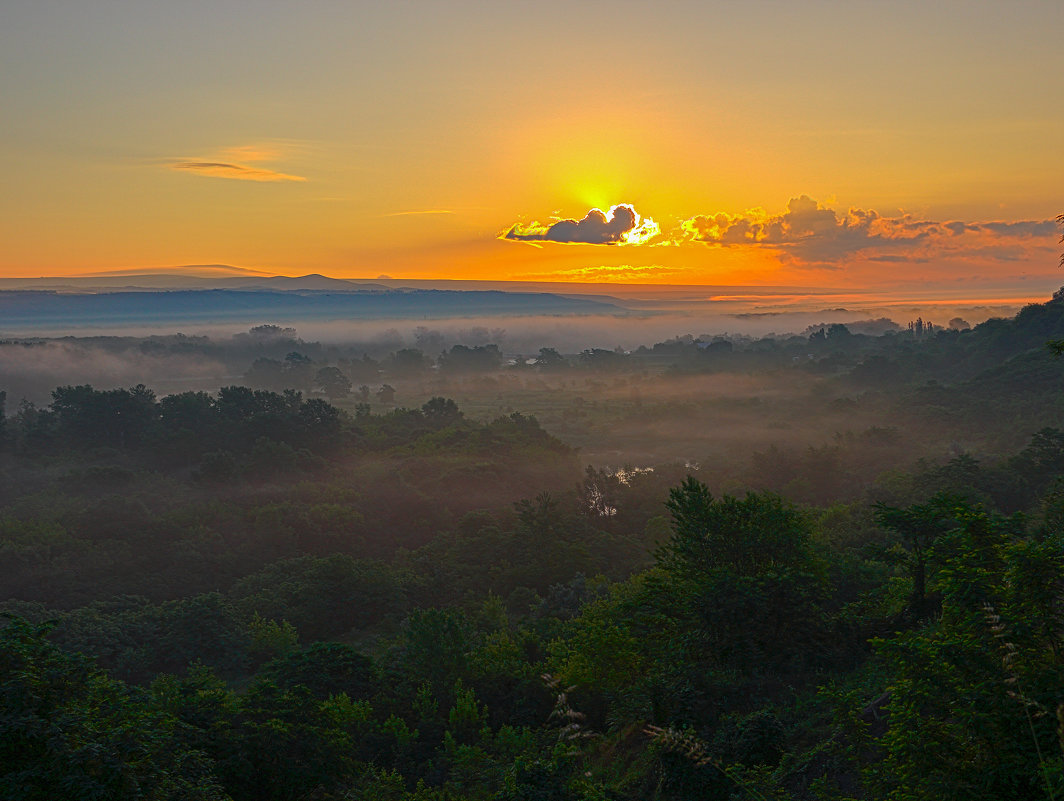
(592, 194)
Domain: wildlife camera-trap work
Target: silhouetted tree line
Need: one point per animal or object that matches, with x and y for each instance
(891, 356)
(190, 422)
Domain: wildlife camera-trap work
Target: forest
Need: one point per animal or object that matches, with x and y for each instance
(817, 566)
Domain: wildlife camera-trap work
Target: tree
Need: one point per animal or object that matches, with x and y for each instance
(601, 359)
(550, 359)
(266, 373)
(740, 577)
(407, 362)
(116, 417)
(270, 332)
(364, 369)
(67, 731)
(599, 493)
(188, 424)
(280, 745)
(325, 668)
(298, 371)
(434, 650)
(750, 536)
(478, 359)
(1060, 222)
(386, 394)
(1057, 345)
(333, 382)
(441, 411)
(973, 691)
(189, 411)
(917, 528)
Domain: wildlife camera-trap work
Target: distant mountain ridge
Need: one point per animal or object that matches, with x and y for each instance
(132, 282)
(201, 270)
(313, 281)
(29, 310)
(221, 276)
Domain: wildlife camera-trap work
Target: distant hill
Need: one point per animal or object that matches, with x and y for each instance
(995, 347)
(315, 281)
(187, 270)
(188, 278)
(34, 310)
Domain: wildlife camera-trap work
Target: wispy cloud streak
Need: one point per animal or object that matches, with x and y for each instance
(239, 172)
(622, 273)
(233, 163)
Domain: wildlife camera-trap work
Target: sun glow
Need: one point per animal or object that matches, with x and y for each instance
(643, 231)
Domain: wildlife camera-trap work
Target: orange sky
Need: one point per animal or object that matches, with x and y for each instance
(404, 139)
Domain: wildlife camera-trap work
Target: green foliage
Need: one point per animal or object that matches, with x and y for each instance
(530, 650)
(69, 732)
(476, 359)
(325, 669)
(271, 638)
(917, 529)
(550, 359)
(333, 382)
(441, 411)
(972, 696)
(433, 650)
(600, 651)
(467, 719)
(747, 537)
(323, 596)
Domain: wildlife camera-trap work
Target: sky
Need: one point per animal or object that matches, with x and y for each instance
(906, 146)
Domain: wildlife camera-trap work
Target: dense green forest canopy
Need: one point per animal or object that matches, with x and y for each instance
(300, 591)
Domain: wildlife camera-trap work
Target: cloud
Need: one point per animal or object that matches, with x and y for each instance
(621, 225)
(623, 272)
(1024, 228)
(232, 163)
(900, 259)
(809, 233)
(239, 172)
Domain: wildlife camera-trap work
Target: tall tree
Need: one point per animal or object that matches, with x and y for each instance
(333, 382)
